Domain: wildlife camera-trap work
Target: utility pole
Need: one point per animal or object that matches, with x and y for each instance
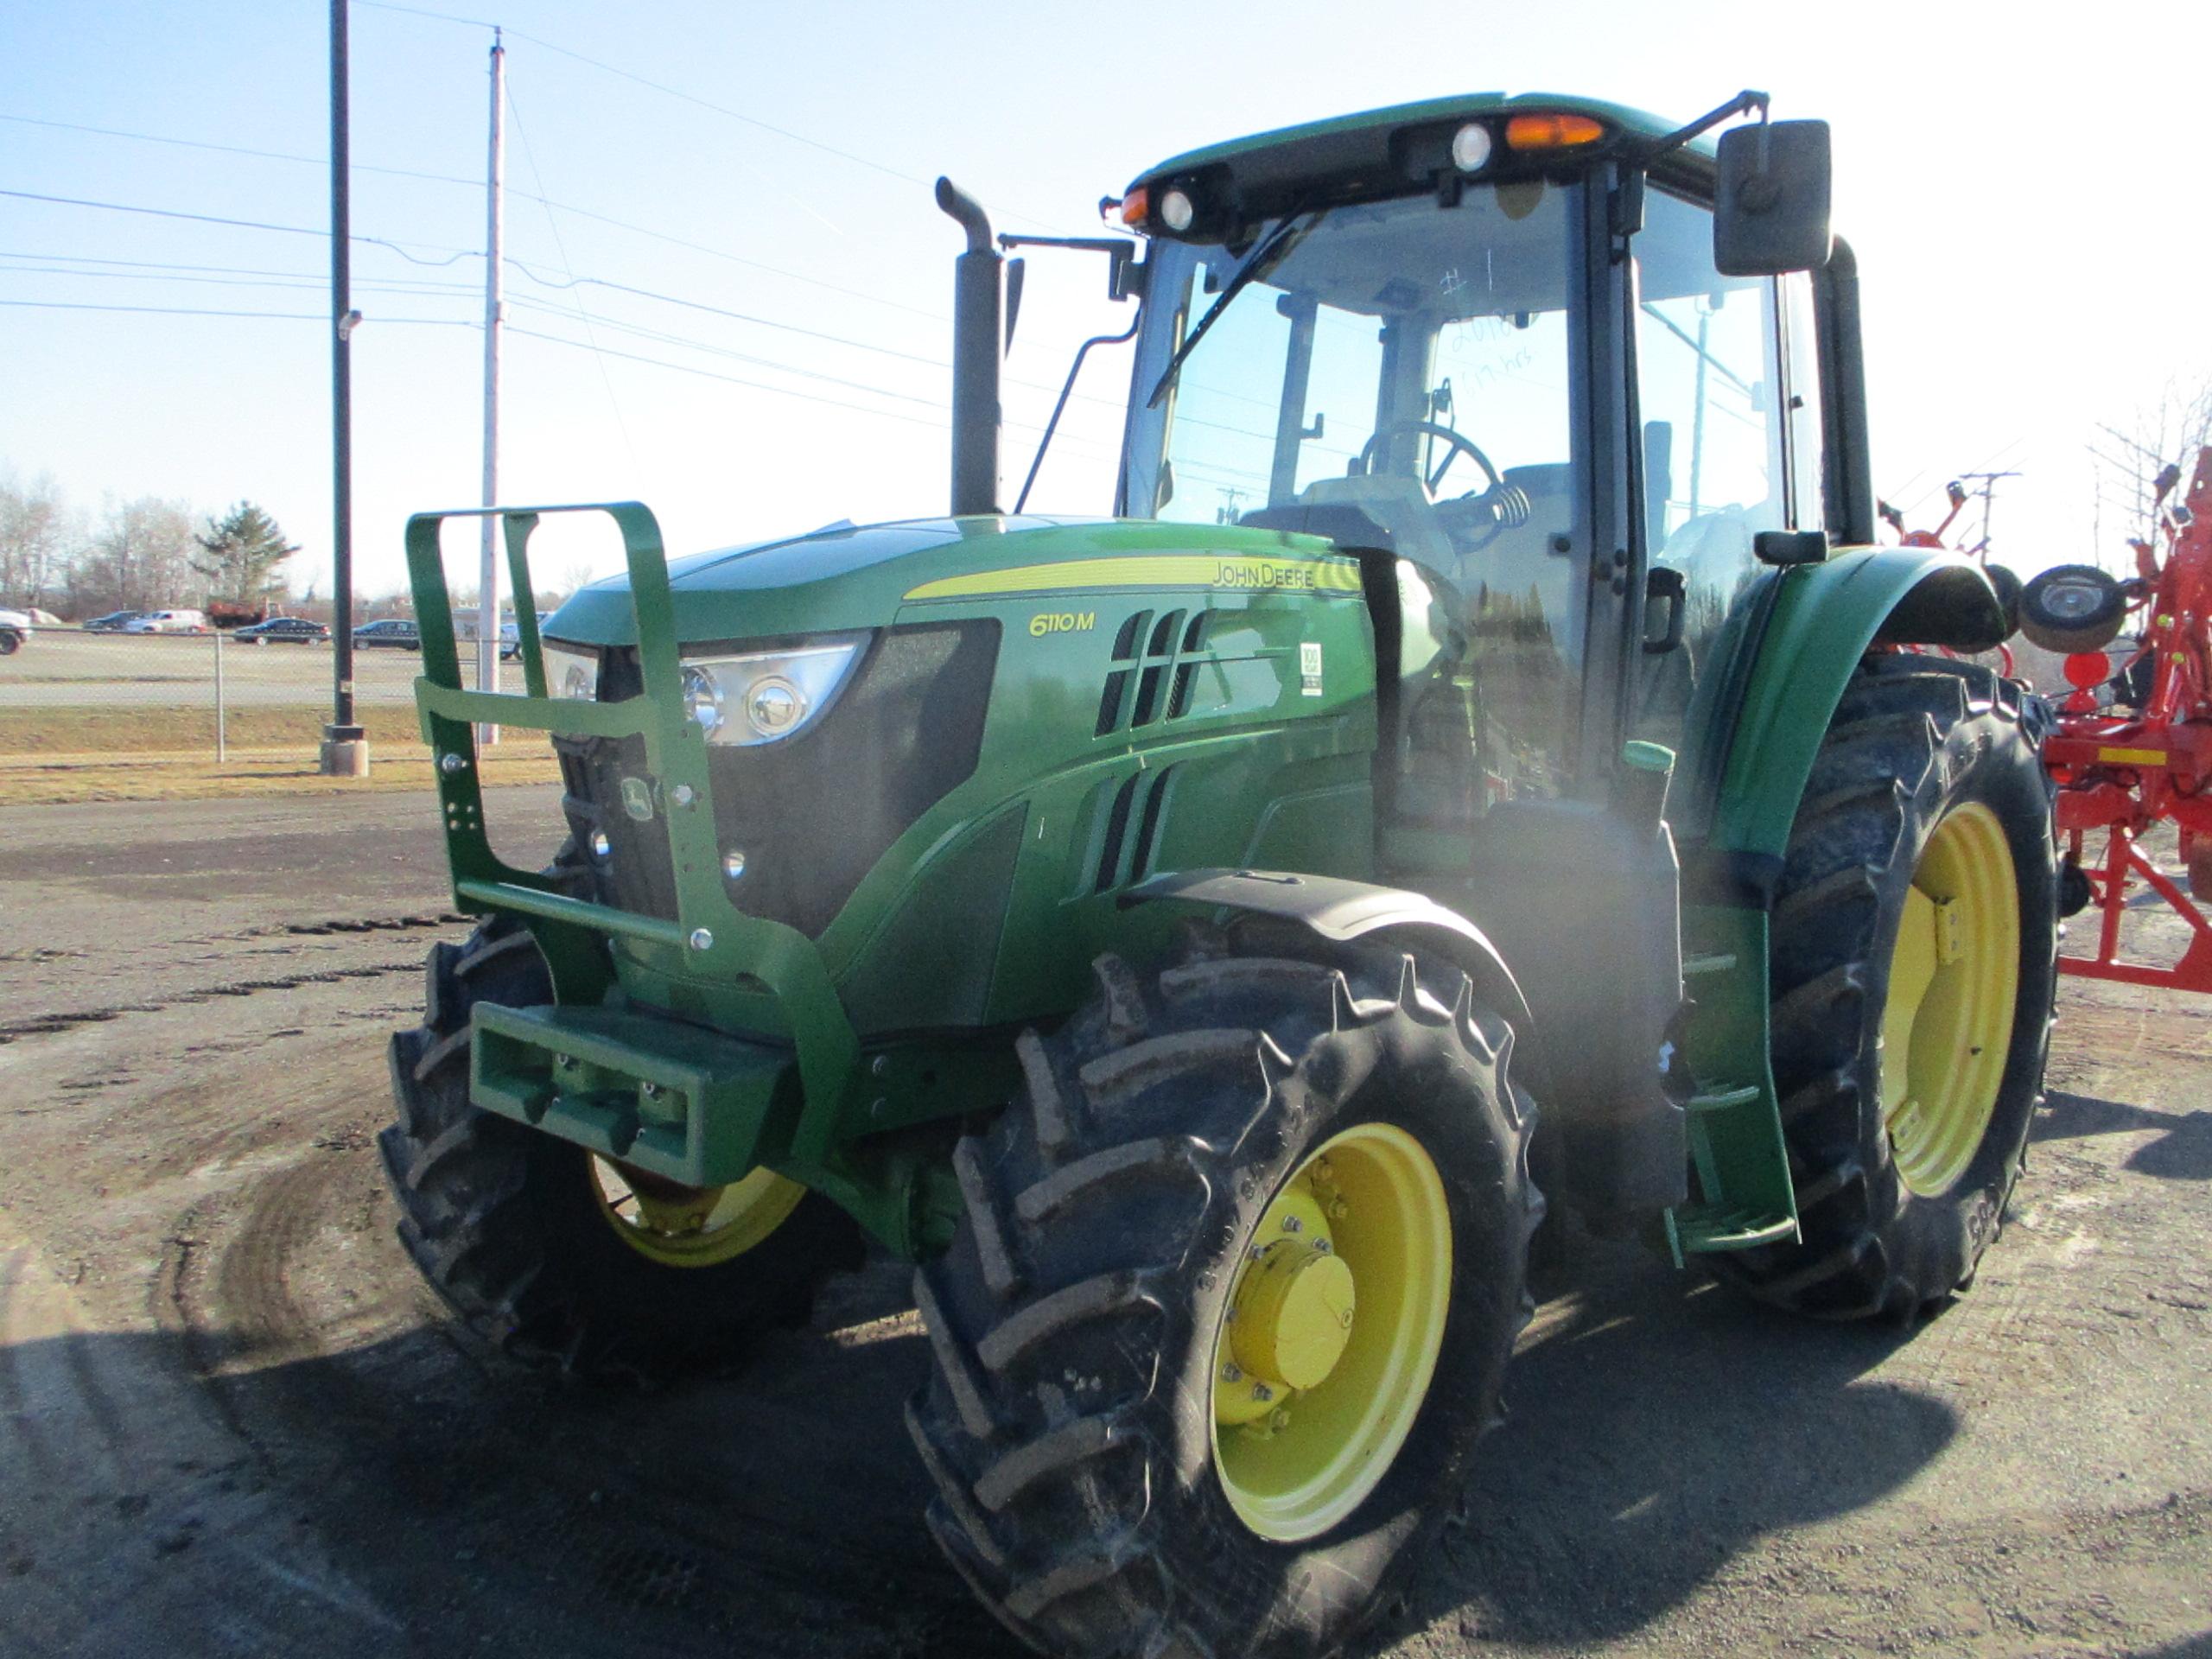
(345, 748)
(487, 591)
(1988, 494)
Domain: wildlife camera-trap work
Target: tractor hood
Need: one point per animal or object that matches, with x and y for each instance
(850, 577)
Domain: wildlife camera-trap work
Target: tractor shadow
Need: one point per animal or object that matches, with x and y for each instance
(2183, 1150)
(1656, 1426)
(190, 1491)
(207, 1491)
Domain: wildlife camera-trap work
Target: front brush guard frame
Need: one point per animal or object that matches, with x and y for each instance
(752, 976)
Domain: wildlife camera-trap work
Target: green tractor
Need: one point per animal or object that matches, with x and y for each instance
(1163, 931)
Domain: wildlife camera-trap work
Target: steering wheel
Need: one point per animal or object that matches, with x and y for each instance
(1373, 451)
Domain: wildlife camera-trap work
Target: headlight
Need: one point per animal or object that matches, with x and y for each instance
(765, 696)
(570, 672)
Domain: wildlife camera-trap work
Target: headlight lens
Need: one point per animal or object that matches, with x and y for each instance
(765, 696)
(570, 672)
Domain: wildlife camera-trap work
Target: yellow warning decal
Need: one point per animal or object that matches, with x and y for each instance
(1164, 570)
(2132, 757)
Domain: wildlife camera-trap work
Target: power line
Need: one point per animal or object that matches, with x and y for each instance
(711, 374)
(561, 248)
(419, 288)
(723, 311)
(660, 337)
(739, 259)
(191, 311)
(244, 224)
(240, 149)
(477, 184)
(683, 97)
(655, 85)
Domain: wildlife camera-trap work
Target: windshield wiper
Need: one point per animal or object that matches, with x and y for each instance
(1264, 259)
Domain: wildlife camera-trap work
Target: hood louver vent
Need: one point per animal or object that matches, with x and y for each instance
(1154, 668)
(1131, 830)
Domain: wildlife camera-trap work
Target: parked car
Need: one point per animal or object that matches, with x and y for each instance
(113, 622)
(285, 630)
(14, 628)
(398, 632)
(511, 638)
(168, 622)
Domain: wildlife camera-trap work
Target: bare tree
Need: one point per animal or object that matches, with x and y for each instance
(140, 559)
(2166, 431)
(37, 537)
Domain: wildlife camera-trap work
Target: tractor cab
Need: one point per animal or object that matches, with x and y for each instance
(1492, 339)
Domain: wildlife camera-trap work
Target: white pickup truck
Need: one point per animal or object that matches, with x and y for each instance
(14, 628)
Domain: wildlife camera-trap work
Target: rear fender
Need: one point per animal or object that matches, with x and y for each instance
(1824, 618)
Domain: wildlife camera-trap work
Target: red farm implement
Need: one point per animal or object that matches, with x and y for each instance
(2132, 746)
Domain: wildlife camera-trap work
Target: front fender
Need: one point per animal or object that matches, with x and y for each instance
(1341, 911)
(1822, 619)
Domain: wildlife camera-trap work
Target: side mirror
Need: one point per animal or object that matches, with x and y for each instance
(1772, 212)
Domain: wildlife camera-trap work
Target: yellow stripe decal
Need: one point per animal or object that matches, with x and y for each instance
(2132, 757)
(1163, 570)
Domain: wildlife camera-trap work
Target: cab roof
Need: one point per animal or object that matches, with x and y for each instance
(1398, 150)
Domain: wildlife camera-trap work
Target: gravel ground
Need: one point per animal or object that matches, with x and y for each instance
(231, 1422)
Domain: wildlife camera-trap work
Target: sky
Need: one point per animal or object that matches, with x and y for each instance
(730, 290)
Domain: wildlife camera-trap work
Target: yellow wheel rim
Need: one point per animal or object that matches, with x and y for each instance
(1332, 1331)
(691, 1226)
(1954, 981)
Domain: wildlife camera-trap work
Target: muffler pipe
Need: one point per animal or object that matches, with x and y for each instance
(977, 286)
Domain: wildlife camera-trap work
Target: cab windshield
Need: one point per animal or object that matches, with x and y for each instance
(1399, 343)
(1395, 375)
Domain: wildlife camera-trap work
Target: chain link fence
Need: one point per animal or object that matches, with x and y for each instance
(71, 691)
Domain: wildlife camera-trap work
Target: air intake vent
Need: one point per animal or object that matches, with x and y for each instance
(1132, 830)
(1155, 669)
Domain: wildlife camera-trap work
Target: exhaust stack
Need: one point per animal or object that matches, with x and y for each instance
(977, 286)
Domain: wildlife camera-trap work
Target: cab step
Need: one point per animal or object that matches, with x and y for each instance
(1705, 1229)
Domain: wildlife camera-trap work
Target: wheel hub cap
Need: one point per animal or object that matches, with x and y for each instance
(1294, 1313)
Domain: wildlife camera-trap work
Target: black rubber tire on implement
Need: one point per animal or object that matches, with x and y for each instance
(2073, 607)
(1068, 1420)
(504, 1222)
(1914, 738)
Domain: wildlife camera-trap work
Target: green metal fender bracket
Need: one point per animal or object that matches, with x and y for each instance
(1824, 617)
(754, 976)
(1820, 621)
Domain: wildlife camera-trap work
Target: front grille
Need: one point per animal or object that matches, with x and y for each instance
(814, 813)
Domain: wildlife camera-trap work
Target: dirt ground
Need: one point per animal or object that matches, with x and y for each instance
(231, 1422)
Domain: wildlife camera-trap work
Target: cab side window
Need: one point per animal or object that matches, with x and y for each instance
(1717, 453)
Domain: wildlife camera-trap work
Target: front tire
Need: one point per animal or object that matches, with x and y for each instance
(1123, 1467)
(1914, 963)
(557, 1257)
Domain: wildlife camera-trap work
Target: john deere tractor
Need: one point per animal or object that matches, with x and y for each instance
(1165, 931)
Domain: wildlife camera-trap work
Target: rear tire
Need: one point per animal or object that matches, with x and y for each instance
(1084, 1420)
(508, 1225)
(1929, 771)
(11, 642)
